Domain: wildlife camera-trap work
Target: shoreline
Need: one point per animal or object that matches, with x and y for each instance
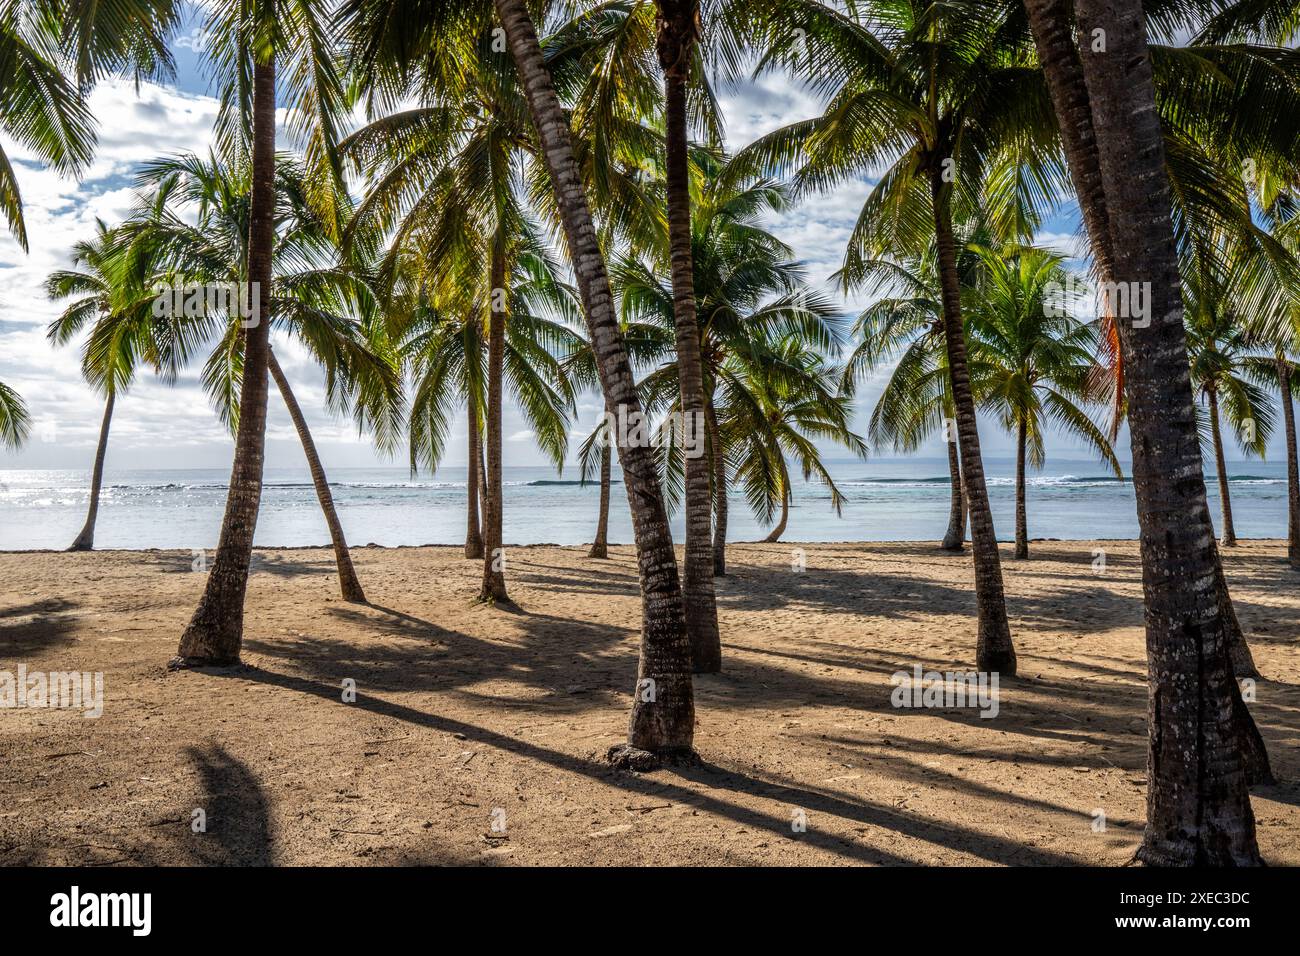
(1282, 542)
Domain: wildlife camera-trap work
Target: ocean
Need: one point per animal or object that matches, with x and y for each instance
(888, 500)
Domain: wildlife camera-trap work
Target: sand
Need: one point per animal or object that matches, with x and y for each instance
(477, 733)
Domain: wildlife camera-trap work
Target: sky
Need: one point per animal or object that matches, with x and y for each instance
(159, 426)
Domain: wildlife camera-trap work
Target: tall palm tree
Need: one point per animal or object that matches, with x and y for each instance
(946, 99)
(678, 25)
(193, 224)
(1037, 362)
(1198, 806)
(442, 338)
(118, 308)
(396, 37)
(252, 40)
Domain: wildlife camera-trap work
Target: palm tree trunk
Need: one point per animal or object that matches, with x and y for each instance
(1292, 465)
(662, 722)
(1022, 517)
(215, 633)
(348, 583)
(1229, 539)
(494, 577)
(600, 547)
(719, 493)
(677, 24)
(1198, 805)
(775, 534)
(956, 534)
(994, 649)
(473, 537)
(85, 540)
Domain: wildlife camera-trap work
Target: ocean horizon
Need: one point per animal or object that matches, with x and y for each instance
(903, 499)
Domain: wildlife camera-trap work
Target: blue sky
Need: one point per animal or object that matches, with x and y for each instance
(173, 427)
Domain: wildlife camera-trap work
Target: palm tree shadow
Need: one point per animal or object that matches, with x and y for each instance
(235, 808)
(41, 625)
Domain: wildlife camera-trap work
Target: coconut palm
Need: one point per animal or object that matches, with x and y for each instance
(395, 38)
(903, 329)
(1219, 345)
(117, 305)
(778, 402)
(194, 223)
(1037, 362)
(947, 101)
(443, 343)
(50, 54)
(1198, 805)
(750, 294)
(252, 43)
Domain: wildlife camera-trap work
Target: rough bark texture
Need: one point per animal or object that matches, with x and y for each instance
(1198, 806)
(349, 586)
(600, 547)
(956, 534)
(676, 40)
(216, 631)
(662, 723)
(1228, 538)
(1292, 466)
(719, 494)
(85, 540)
(1022, 516)
(994, 650)
(494, 575)
(473, 536)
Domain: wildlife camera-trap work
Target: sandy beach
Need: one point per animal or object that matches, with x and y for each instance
(477, 733)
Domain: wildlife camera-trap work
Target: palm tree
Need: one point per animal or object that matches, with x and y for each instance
(318, 299)
(50, 54)
(905, 328)
(1219, 346)
(442, 340)
(779, 400)
(1198, 806)
(678, 23)
(750, 294)
(946, 100)
(1036, 361)
(250, 40)
(124, 333)
(395, 37)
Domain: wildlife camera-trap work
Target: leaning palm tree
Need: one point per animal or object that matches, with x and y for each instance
(117, 306)
(253, 41)
(1037, 362)
(192, 224)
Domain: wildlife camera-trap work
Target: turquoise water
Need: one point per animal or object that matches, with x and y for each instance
(889, 500)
